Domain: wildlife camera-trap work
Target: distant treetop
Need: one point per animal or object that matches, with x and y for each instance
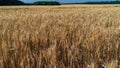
(11, 2)
(46, 3)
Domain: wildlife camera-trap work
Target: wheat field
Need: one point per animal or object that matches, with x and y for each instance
(67, 36)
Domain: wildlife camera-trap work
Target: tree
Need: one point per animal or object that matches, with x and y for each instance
(11, 2)
(46, 3)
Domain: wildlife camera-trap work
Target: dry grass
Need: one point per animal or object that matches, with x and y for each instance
(60, 36)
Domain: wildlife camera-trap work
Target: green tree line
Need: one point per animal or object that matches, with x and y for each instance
(18, 2)
(102, 2)
(11, 2)
(46, 3)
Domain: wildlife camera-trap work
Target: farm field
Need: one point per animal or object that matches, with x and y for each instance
(67, 36)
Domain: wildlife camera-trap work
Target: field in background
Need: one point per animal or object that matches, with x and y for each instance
(68, 36)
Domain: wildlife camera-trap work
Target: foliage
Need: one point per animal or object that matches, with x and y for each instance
(102, 2)
(46, 3)
(11, 2)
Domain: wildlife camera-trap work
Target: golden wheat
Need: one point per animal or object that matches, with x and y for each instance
(76, 36)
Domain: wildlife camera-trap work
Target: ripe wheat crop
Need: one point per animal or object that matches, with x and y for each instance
(73, 36)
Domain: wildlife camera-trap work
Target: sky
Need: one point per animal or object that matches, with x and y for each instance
(64, 1)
